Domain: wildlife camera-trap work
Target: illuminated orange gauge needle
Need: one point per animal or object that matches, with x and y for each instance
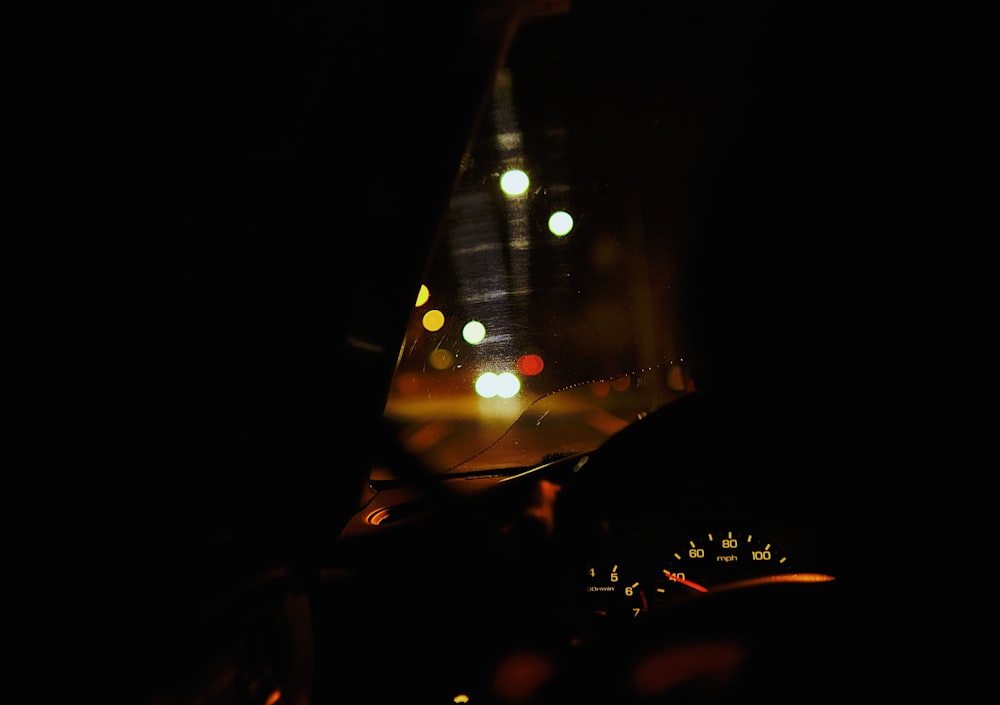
(689, 583)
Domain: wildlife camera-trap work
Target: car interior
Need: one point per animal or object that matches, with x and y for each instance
(498, 356)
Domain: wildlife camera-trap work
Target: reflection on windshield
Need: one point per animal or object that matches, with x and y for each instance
(486, 434)
(546, 322)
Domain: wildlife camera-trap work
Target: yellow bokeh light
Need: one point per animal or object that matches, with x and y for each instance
(433, 320)
(514, 182)
(423, 295)
(441, 359)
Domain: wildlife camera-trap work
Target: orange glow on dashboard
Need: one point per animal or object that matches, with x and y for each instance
(520, 675)
(543, 507)
(662, 671)
(771, 579)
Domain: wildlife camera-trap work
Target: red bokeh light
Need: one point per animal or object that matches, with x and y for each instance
(530, 365)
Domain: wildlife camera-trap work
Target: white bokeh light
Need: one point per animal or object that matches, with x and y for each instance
(560, 223)
(474, 332)
(504, 385)
(514, 182)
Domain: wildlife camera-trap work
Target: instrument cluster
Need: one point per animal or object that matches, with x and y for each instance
(628, 575)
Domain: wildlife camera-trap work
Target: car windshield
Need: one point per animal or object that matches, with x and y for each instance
(548, 319)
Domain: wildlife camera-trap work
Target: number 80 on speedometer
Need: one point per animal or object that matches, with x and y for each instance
(713, 560)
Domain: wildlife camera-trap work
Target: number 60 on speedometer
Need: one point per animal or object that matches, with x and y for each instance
(713, 559)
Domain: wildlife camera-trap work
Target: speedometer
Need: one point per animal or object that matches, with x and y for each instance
(716, 559)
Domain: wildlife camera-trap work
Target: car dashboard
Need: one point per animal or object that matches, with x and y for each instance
(579, 579)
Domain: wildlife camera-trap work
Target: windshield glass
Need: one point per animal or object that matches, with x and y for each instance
(549, 316)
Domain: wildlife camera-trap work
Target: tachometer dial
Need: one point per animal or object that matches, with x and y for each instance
(715, 559)
(613, 593)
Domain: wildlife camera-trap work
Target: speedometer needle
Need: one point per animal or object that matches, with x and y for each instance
(682, 581)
